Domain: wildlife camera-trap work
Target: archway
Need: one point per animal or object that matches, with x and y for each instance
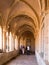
(27, 39)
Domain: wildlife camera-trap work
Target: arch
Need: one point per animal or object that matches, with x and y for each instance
(23, 16)
(25, 31)
(27, 21)
(24, 28)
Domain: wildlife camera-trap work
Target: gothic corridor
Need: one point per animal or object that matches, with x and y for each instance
(24, 32)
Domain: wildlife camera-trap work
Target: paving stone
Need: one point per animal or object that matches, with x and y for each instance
(24, 60)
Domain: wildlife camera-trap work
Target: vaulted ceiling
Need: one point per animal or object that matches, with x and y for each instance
(22, 15)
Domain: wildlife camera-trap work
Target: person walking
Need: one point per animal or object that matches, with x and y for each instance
(28, 50)
(23, 50)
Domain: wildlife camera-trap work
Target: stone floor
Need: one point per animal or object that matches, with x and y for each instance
(24, 60)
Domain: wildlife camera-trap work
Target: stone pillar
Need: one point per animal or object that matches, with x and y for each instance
(42, 42)
(46, 38)
(7, 41)
(1, 40)
(16, 43)
(39, 41)
(11, 42)
(48, 44)
(4, 40)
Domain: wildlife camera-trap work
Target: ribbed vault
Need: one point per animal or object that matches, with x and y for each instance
(26, 34)
(22, 22)
(24, 28)
(22, 8)
(22, 13)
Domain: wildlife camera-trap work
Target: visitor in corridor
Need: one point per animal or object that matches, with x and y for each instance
(23, 50)
(28, 50)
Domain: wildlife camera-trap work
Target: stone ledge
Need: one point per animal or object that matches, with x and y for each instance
(5, 57)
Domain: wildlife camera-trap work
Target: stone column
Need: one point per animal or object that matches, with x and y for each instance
(1, 39)
(39, 41)
(43, 42)
(11, 42)
(48, 44)
(7, 41)
(46, 38)
(4, 39)
(16, 43)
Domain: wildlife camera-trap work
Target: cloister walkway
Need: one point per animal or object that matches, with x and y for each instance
(24, 60)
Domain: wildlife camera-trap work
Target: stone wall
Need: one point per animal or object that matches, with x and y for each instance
(40, 59)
